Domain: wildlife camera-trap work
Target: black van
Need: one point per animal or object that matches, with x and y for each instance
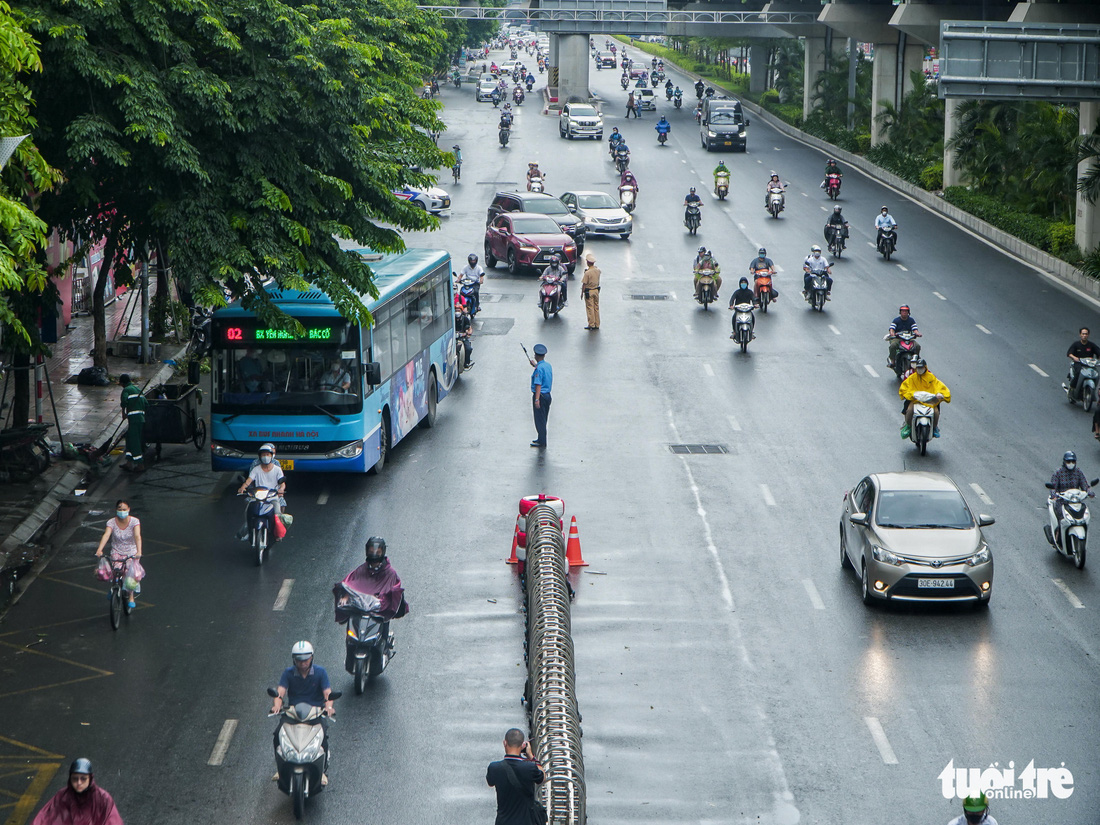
(723, 124)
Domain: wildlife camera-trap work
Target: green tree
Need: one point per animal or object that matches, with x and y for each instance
(916, 126)
(831, 91)
(241, 135)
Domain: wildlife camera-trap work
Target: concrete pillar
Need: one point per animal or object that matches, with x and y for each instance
(552, 71)
(884, 76)
(814, 64)
(758, 68)
(1088, 214)
(574, 60)
(952, 174)
(912, 60)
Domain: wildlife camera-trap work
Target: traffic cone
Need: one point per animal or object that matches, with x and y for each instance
(573, 547)
(514, 559)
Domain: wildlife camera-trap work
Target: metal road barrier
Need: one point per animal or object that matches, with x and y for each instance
(552, 697)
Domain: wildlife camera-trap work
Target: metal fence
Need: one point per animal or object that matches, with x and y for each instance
(551, 685)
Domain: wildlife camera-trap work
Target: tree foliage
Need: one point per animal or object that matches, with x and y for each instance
(830, 92)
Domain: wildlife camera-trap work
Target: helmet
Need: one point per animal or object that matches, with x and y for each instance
(976, 804)
(455, 146)
(918, 362)
(815, 248)
(532, 164)
(81, 765)
(301, 651)
(830, 160)
(903, 308)
(762, 252)
(555, 260)
(702, 249)
(377, 542)
(267, 448)
(884, 209)
(836, 209)
(1069, 456)
(472, 258)
(692, 192)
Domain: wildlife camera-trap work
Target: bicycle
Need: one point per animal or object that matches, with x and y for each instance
(117, 602)
(456, 170)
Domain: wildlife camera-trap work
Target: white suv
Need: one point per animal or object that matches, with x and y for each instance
(580, 120)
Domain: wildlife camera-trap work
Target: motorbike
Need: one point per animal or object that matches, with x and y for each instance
(668, 93)
(1069, 535)
(1085, 391)
(457, 80)
(624, 81)
(517, 95)
(259, 515)
(628, 196)
(369, 646)
(653, 79)
(722, 185)
(776, 200)
(662, 138)
(678, 99)
(707, 288)
(920, 432)
(542, 67)
(300, 756)
(699, 113)
(699, 91)
(832, 186)
(467, 288)
(889, 242)
(550, 301)
(908, 349)
(622, 160)
(495, 98)
(816, 294)
(743, 323)
(535, 184)
(835, 237)
(505, 133)
(693, 217)
(763, 282)
(530, 83)
(200, 332)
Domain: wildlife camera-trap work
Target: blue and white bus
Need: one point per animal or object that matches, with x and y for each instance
(339, 398)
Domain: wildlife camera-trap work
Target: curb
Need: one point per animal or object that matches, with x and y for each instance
(26, 531)
(1049, 265)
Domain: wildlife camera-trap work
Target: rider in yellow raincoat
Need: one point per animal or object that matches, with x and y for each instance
(922, 380)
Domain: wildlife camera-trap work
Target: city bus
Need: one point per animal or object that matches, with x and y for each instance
(340, 397)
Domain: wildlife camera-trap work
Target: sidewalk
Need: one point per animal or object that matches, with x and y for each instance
(86, 415)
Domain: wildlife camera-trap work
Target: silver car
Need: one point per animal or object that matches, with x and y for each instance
(911, 538)
(600, 212)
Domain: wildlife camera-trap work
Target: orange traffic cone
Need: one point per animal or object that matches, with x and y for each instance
(573, 547)
(514, 559)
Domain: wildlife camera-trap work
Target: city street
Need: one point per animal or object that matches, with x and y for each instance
(727, 670)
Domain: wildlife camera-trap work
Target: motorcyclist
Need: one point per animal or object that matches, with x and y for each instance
(922, 380)
(530, 79)
(763, 265)
(494, 68)
(556, 273)
(1067, 477)
(533, 172)
(743, 295)
(495, 96)
(903, 323)
(663, 127)
(831, 168)
(836, 223)
(699, 89)
(884, 221)
(621, 150)
(304, 682)
(613, 140)
(693, 199)
(668, 84)
(975, 812)
(721, 169)
(464, 329)
(375, 577)
(473, 271)
(517, 94)
(624, 81)
(628, 179)
(641, 82)
(653, 63)
(1081, 348)
(816, 265)
(773, 183)
(704, 260)
(677, 93)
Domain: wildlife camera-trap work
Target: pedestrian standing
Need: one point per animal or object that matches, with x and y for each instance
(515, 777)
(590, 289)
(630, 106)
(80, 802)
(133, 411)
(542, 380)
(638, 107)
(124, 533)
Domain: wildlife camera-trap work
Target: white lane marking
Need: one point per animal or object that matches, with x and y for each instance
(660, 267)
(941, 297)
(1073, 600)
(217, 756)
(723, 579)
(759, 161)
(733, 423)
(769, 499)
(688, 328)
(871, 370)
(683, 161)
(981, 494)
(871, 244)
(777, 149)
(902, 268)
(834, 329)
(649, 244)
(803, 194)
(708, 369)
(815, 597)
(672, 294)
(824, 209)
(1034, 367)
(323, 498)
(983, 329)
(284, 595)
(883, 744)
(742, 226)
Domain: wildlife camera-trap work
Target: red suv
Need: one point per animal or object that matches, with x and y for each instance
(524, 240)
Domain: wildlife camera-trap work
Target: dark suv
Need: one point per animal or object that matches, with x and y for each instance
(539, 203)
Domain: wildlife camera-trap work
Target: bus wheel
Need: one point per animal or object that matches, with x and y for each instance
(428, 421)
(383, 444)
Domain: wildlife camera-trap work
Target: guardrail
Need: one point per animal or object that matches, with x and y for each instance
(551, 680)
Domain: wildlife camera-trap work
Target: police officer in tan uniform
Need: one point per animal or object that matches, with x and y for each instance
(590, 289)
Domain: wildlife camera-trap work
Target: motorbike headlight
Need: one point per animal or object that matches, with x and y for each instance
(312, 751)
(224, 452)
(885, 556)
(981, 557)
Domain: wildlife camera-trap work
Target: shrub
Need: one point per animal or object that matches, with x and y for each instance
(770, 96)
(864, 142)
(1091, 264)
(931, 177)
(1029, 228)
(1062, 237)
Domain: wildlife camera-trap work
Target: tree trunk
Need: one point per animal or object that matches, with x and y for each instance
(159, 308)
(21, 384)
(99, 302)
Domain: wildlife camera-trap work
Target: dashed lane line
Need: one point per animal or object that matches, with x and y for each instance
(284, 595)
(983, 329)
(660, 267)
(733, 423)
(1036, 368)
(981, 494)
(649, 244)
(881, 742)
(1069, 594)
(687, 327)
(834, 329)
(903, 268)
(815, 597)
(870, 370)
(221, 746)
(323, 498)
(941, 297)
(708, 369)
(769, 499)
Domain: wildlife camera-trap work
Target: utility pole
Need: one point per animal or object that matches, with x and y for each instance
(853, 54)
(145, 359)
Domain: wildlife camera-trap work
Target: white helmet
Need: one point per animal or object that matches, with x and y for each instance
(301, 651)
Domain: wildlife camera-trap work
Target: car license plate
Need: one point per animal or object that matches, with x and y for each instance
(935, 583)
(286, 463)
(727, 143)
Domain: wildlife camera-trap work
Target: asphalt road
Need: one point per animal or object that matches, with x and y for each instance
(727, 671)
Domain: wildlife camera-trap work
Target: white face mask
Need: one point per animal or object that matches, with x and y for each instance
(1071, 465)
(817, 254)
(265, 459)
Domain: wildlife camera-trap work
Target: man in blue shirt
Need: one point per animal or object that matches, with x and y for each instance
(542, 380)
(304, 682)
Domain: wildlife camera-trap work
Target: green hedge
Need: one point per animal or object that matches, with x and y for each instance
(829, 129)
(1056, 237)
(906, 166)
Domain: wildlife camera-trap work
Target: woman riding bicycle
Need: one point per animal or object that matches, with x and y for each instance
(124, 533)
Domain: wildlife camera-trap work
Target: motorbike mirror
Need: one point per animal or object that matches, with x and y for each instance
(335, 694)
(373, 372)
(985, 521)
(1049, 486)
(859, 519)
(272, 692)
(748, 122)
(1094, 482)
